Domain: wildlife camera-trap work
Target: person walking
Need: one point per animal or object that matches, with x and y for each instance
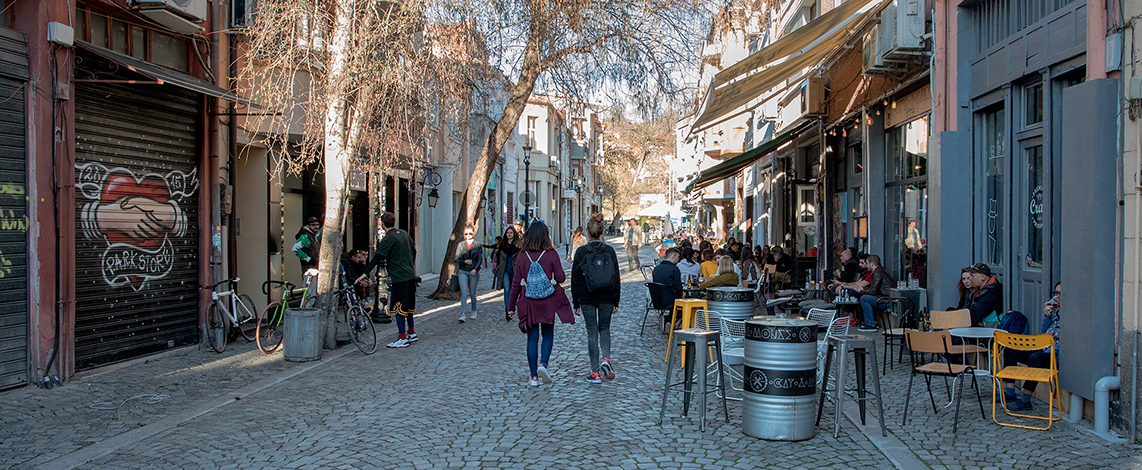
(397, 251)
(595, 291)
(468, 257)
(538, 298)
(507, 249)
(632, 244)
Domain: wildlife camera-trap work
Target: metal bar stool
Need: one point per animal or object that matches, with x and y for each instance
(861, 347)
(701, 341)
(684, 309)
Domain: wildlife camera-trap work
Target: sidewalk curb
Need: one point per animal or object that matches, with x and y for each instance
(893, 449)
(94, 451)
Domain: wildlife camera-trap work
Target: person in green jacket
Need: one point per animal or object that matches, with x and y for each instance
(308, 243)
(397, 250)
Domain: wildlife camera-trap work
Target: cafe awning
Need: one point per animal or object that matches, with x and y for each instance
(732, 89)
(729, 167)
(162, 75)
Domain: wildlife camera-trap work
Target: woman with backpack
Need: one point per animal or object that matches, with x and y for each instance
(538, 298)
(595, 294)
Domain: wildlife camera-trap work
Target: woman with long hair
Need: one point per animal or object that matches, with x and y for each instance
(709, 266)
(964, 288)
(537, 315)
(505, 267)
(749, 269)
(577, 240)
(598, 304)
(468, 256)
(725, 275)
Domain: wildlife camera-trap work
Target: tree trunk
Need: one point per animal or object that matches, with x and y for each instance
(338, 153)
(482, 171)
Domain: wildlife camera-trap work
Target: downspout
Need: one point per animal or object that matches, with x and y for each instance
(232, 130)
(1102, 390)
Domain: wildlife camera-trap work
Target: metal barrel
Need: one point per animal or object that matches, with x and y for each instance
(780, 379)
(734, 303)
(302, 335)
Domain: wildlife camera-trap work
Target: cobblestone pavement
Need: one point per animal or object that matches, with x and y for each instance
(458, 398)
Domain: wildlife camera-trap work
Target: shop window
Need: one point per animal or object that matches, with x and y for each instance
(170, 52)
(995, 161)
(908, 151)
(1033, 104)
(98, 30)
(119, 36)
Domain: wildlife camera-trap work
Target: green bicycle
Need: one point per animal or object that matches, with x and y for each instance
(269, 332)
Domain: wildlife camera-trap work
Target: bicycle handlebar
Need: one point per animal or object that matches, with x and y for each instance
(216, 284)
(266, 286)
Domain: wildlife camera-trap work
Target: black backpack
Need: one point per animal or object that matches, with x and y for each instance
(599, 270)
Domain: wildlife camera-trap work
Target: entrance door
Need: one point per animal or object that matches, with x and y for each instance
(1030, 224)
(13, 212)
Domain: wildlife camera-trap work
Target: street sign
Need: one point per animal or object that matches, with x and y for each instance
(528, 198)
(568, 194)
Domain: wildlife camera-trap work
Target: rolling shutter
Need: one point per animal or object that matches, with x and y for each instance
(13, 211)
(136, 253)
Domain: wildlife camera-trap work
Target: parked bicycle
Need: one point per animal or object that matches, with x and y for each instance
(361, 330)
(269, 332)
(238, 311)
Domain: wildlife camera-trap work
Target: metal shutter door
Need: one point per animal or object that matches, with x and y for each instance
(136, 253)
(13, 211)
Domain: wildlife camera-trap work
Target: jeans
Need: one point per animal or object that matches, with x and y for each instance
(867, 303)
(533, 333)
(468, 283)
(1037, 359)
(598, 320)
(507, 286)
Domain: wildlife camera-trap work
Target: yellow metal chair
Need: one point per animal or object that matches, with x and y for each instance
(1050, 375)
(684, 309)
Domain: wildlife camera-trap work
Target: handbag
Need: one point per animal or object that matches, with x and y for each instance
(454, 283)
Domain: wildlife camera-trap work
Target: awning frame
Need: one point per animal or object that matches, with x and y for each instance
(160, 75)
(730, 167)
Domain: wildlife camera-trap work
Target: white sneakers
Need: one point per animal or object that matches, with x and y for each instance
(463, 317)
(473, 315)
(542, 371)
(399, 343)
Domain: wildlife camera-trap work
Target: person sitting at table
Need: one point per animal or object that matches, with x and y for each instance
(709, 266)
(878, 286)
(850, 269)
(725, 275)
(764, 258)
(667, 273)
(689, 265)
(965, 288)
(782, 274)
(1039, 359)
(748, 269)
(986, 299)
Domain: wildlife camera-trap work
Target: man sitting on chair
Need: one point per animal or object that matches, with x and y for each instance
(667, 273)
(877, 288)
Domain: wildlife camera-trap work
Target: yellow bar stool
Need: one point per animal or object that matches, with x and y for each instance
(685, 308)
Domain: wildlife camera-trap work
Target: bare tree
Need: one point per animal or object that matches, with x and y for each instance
(632, 51)
(634, 157)
(354, 81)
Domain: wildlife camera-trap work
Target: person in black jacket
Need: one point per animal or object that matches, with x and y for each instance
(849, 272)
(667, 273)
(596, 306)
(986, 298)
(468, 257)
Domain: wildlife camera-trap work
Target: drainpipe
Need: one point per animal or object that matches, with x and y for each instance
(1102, 390)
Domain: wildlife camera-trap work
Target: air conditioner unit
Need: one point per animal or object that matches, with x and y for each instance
(871, 63)
(813, 96)
(181, 16)
(901, 28)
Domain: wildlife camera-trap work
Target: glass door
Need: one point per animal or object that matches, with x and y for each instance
(1029, 221)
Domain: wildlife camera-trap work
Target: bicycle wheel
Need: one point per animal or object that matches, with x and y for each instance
(269, 332)
(361, 330)
(216, 332)
(247, 317)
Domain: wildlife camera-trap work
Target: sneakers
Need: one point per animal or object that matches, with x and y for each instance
(473, 315)
(411, 337)
(594, 378)
(463, 317)
(534, 382)
(1018, 405)
(399, 343)
(866, 328)
(608, 372)
(542, 371)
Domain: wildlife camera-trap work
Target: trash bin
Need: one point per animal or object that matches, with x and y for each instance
(302, 335)
(734, 303)
(780, 379)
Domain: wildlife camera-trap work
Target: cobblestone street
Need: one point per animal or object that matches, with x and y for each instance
(459, 398)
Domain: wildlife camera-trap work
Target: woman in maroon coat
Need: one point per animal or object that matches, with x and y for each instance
(537, 316)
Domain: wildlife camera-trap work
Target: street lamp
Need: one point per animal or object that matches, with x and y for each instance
(433, 178)
(526, 179)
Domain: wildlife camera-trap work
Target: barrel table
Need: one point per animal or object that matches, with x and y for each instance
(732, 303)
(780, 379)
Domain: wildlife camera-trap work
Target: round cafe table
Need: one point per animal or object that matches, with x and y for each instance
(976, 333)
